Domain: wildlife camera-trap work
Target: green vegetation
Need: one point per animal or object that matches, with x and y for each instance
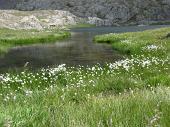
(161, 23)
(81, 25)
(133, 92)
(10, 38)
(150, 42)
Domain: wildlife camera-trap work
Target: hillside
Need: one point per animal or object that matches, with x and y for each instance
(101, 12)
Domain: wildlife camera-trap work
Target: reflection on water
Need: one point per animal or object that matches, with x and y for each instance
(77, 50)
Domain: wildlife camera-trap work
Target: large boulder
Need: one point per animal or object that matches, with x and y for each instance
(99, 22)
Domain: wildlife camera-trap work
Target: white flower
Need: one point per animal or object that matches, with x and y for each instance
(146, 63)
(126, 41)
(14, 97)
(93, 69)
(58, 69)
(1, 78)
(151, 47)
(28, 92)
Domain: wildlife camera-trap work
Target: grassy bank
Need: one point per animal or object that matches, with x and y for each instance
(81, 25)
(10, 38)
(133, 92)
(152, 42)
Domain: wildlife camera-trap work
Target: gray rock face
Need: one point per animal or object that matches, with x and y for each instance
(102, 12)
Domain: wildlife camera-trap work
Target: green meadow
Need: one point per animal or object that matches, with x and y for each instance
(132, 92)
(10, 38)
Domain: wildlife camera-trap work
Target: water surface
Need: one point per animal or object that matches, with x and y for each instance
(77, 50)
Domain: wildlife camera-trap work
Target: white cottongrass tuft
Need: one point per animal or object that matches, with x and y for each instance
(151, 48)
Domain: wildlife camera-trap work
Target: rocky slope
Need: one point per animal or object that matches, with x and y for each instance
(36, 19)
(101, 12)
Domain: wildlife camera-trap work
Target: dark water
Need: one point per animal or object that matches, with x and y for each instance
(77, 50)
